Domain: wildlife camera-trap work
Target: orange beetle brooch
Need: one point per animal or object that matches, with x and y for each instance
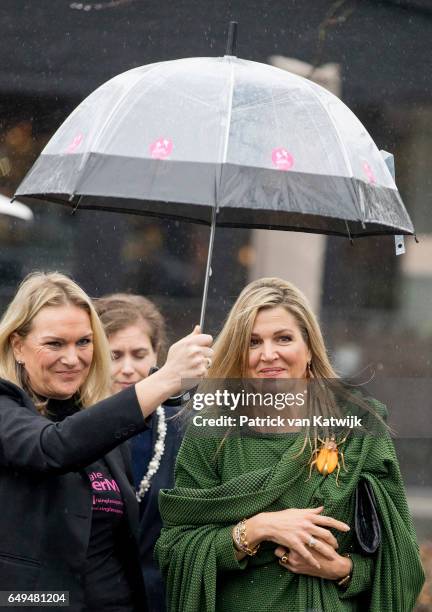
(328, 457)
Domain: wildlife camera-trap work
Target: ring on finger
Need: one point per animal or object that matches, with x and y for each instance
(284, 558)
(312, 542)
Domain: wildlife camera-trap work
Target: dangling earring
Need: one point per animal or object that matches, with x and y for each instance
(20, 363)
(309, 370)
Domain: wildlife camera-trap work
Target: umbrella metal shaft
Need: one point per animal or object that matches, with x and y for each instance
(208, 267)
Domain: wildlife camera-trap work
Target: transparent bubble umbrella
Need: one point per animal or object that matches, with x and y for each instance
(221, 141)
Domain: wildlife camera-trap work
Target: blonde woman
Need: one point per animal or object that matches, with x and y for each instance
(252, 524)
(69, 514)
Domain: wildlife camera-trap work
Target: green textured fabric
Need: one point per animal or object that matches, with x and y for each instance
(218, 486)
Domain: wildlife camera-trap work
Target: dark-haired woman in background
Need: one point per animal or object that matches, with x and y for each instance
(136, 334)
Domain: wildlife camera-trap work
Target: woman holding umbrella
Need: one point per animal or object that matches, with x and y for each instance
(69, 514)
(248, 524)
(136, 334)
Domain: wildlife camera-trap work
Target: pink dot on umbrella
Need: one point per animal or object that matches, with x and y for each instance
(75, 143)
(161, 148)
(369, 173)
(282, 159)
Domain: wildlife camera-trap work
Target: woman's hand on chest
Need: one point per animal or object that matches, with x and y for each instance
(331, 569)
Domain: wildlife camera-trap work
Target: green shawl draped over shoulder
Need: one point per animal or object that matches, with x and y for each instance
(218, 486)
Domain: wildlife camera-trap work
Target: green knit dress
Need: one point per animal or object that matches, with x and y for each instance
(218, 485)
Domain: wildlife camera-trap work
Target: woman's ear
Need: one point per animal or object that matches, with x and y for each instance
(16, 344)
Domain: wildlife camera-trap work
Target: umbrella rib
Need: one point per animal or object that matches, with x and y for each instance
(188, 96)
(341, 142)
(343, 149)
(228, 125)
(263, 102)
(349, 233)
(113, 111)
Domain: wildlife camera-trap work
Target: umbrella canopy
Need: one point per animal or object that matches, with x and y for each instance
(17, 209)
(196, 138)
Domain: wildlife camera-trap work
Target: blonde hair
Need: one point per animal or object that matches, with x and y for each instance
(231, 348)
(37, 291)
(231, 351)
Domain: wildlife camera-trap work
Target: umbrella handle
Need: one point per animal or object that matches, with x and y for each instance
(208, 268)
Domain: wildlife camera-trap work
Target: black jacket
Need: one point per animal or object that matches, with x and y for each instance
(46, 499)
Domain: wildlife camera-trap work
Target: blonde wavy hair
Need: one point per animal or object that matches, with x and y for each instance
(231, 349)
(39, 290)
(327, 395)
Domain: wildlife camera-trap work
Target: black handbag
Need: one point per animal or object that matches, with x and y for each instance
(366, 521)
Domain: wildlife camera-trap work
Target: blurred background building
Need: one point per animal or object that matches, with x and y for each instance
(375, 308)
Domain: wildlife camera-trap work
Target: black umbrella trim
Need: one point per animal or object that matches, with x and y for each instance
(245, 196)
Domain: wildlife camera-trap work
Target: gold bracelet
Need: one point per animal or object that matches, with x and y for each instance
(344, 582)
(240, 539)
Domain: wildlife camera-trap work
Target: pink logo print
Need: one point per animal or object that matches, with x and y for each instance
(75, 143)
(369, 173)
(161, 148)
(282, 159)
